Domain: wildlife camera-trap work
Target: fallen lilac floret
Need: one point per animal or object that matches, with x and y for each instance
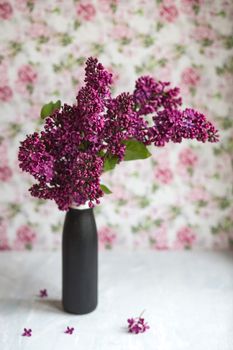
(69, 330)
(43, 293)
(27, 332)
(137, 325)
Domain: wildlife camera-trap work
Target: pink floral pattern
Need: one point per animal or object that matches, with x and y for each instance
(188, 158)
(5, 93)
(6, 10)
(86, 11)
(25, 238)
(190, 76)
(5, 173)
(107, 237)
(181, 197)
(168, 10)
(164, 175)
(26, 74)
(185, 238)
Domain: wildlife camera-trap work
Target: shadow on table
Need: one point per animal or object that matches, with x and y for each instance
(11, 306)
(52, 304)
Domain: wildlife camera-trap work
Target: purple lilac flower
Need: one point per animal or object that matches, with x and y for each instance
(174, 125)
(35, 159)
(122, 123)
(27, 332)
(67, 157)
(137, 325)
(150, 96)
(43, 293)
(69, 330)
(98, 78)
(78, 183)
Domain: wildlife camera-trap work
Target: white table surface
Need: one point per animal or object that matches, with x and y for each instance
(188, 297)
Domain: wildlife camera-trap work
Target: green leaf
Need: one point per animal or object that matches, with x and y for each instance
(135, 150)
(110, 163)
(105, 189)
(101, 153)
(46, 110)
(57, 105)
(49, 108)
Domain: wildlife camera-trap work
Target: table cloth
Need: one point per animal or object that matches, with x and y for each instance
(187, 298)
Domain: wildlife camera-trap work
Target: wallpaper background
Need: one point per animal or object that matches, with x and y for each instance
(181, 198)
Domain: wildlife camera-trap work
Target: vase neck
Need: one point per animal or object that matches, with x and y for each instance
(80, 207)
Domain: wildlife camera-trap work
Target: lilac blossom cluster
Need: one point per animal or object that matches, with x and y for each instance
(68, 156)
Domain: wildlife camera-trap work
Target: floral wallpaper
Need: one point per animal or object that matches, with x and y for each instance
(180, 198)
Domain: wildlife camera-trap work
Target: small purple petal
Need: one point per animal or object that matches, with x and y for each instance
(27, 332)
(69, 330)
(137, 325)
(43, 293)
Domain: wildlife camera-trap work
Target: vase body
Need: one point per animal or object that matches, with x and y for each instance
(79, 262)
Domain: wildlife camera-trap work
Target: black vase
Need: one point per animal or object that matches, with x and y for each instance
(79, 262)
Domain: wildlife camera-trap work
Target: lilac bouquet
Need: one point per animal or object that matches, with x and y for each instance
(80, 142)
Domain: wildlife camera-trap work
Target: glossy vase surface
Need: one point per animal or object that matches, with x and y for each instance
(79, 261)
